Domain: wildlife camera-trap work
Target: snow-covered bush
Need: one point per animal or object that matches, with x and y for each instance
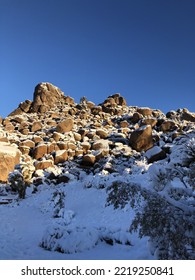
(69, 240)
(120, 193)
(17, 183)
(189, 156)
(165, 214)
(115, 236)
(159, 176)
(58, 200)
(170, 228)
(191, 176)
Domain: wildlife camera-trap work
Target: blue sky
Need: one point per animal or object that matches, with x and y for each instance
(144, 49)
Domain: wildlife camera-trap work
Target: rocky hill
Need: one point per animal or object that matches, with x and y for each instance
(53, 141)
(52, 129)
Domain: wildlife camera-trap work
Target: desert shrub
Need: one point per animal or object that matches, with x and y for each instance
(121, 193)
(189, 155)
(170, 229)
(17, 183)
(69, 240)
(165, 215)
(58, 200)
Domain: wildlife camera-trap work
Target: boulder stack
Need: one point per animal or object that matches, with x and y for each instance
(53, 131)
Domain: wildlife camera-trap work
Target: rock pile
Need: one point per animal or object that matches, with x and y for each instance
(52, 130)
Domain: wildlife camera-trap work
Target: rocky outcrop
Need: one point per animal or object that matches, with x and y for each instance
(9, 157)
(46, 96)
(52, 131)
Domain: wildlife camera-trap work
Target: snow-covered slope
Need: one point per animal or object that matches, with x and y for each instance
(25, 224)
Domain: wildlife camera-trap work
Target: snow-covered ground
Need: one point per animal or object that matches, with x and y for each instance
(73, 220)
(25, 224)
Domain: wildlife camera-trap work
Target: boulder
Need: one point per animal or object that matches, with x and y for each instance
(101, 145)
(88, 160)
(136, 117)
(37, 139)
(124, 124)
(77, 136)
(168, 126)
(62, 145)
(60, 156)
(3, 136)
(39, 151)
(65, 125)
(57, 136)
(145, 111)
(44, 164)
(52, 147)
(24, 107)
(85, 146)
(150, 121)
(90, 104)
(117, 99)
(187, 116)
(96, 110)
(9, 157)
(141, 138)
(36, 126)
(102, 133)
(155, 154)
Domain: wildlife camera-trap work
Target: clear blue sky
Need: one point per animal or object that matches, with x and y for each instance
(144, 49)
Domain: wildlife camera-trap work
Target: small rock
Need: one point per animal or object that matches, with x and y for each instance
(60, 156)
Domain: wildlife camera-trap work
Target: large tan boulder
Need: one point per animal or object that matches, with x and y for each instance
(141, 138)
(44, 164)
(145, 111)
(65, 125)
(37, 125)
(40, 150)
(101, 147)
(9, 157)
(187, 116)
(3, 136)
(167, 126)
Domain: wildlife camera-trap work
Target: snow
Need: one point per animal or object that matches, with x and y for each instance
(84, 227)
(153, 151)
(72, 221)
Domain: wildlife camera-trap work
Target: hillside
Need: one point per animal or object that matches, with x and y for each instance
(87, 181)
